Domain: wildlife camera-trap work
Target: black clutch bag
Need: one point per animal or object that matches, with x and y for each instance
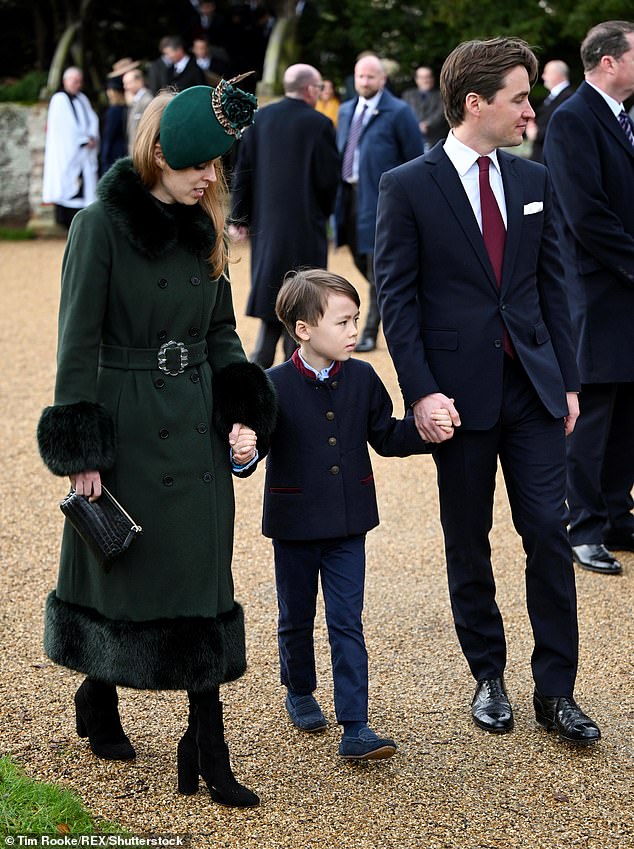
(103, 524)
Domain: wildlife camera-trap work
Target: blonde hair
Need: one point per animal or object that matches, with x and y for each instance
(215, 199)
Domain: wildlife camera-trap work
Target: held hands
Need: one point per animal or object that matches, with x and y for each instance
(436, 417)
(242, 441)
(87, 483)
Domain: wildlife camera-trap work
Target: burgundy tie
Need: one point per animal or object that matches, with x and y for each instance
(493, 231)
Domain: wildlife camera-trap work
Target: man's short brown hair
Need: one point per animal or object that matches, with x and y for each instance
(304, 296)
(480, 67)
(606, 39)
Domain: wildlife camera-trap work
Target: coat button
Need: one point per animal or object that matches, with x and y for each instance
(164, 433)
(162, 335)
(194, 377)
(168, 480)
(194, 331)
(498, 343)
(502, 306)
(159, 383)
(162, 283)
(195, 281)
(330, 415)
(334, 384)
(334, 470)
(208, 477)
(202, 428)
(332, 440)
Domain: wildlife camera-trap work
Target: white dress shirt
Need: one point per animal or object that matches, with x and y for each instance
(372, 104)
(465, 161)
(614, 105)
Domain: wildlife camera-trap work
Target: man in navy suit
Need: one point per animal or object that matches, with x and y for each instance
(590, 154)
(475, 315)
(375, 132)
(556, 80)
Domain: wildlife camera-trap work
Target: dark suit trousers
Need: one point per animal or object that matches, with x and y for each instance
(341, 564)
(531, 448)
(363, 262)
(601, 463)
(266, 343)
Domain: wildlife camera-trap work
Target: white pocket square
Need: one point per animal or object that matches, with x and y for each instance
(532, 208)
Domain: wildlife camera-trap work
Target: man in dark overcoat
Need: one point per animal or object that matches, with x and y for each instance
(590, 153)
(283, 191)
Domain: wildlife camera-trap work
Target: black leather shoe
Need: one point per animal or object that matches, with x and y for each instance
(490, 708)
(596, 558)
(366, 344)
(619, 540)
(564, 716)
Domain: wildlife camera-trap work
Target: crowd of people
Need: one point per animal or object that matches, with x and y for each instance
(505, 289)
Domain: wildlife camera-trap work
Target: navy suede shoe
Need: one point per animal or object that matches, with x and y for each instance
(366, 746)
(305, 712)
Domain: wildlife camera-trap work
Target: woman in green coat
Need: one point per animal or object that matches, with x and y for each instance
(152, 386)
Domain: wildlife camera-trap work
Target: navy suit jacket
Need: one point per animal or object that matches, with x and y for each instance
(389, 138)
(319, 482)
(591, 163)
(443, 313)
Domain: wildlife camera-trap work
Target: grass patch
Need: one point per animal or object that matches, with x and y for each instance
(15, 234)
(33, 807)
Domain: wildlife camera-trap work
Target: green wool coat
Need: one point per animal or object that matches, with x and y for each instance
(135, 276)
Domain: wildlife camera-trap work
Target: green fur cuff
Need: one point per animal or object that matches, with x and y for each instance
(163, 654)
(76, 437)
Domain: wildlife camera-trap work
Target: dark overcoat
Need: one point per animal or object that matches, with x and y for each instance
(319, 481)
(135, 276)
(592, 166)
(283, 189)
(390, 138)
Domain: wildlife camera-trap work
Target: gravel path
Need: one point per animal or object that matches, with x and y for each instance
(450, 786)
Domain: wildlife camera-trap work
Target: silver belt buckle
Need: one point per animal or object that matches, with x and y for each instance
(162, 357)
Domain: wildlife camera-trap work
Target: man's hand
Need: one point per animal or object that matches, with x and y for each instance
(237, 234)
(427, 427)
(573, 412)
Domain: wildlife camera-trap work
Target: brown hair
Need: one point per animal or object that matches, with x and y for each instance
(606, 39)
(213, 201)
(304, 296)
(480, 67)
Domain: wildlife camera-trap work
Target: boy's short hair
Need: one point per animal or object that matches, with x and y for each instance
(304, 296)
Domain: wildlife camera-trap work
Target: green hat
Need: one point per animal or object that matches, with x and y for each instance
(201, 122)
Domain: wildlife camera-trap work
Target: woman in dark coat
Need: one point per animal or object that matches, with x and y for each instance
(151, 383)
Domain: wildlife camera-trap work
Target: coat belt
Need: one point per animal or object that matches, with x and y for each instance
(171, 358)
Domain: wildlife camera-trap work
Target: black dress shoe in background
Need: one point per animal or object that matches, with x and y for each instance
(490, 707)
(596, 558)
(563, 715)
(367, 343)
(619, 540)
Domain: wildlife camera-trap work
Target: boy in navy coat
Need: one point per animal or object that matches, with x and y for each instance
(320, 500)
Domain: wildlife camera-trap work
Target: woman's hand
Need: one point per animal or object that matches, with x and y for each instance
(242, 441)
(87, 483)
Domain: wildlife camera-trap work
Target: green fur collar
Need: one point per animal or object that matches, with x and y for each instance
(152, 228)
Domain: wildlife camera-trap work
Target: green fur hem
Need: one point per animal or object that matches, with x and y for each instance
(164, 654)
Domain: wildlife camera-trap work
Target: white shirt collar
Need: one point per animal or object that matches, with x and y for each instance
(372, 103)
(180, 66)
(462, 157)
(614, 105)
(139, 94)
(323, 374)
(557, 89)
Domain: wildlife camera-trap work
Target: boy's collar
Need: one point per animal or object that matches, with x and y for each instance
(308, 371)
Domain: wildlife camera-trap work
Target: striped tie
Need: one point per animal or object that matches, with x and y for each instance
(625, 122)
(351, 144)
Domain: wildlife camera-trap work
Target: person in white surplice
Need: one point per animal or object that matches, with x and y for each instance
(72, 141)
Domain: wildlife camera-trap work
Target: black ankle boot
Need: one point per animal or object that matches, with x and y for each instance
(97, 717)
(202, 751)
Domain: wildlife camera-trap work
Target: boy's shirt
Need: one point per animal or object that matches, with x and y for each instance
(319, 482)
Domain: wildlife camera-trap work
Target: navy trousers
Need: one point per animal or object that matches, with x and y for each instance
(341, 564)
(531, 448)
(601, 463)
